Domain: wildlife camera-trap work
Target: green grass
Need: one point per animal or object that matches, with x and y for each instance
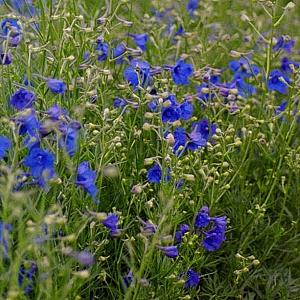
(251, 173)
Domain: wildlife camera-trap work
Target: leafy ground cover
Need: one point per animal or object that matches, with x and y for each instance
(149, 149)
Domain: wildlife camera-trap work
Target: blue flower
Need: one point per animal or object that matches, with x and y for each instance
(56, 86)
(186, 110)
(140, 40)
(5, 229)
(84, 257)
(11, 30)
(275, 84)
(170, 114)
(41, 164)
(202, 218)
(201, 134)
(111, 223)
(5, 145)
(245, 89)
(117, 53)
(243, 68)
(5, 58)
(183, 228)
(138, 73)
(193, 279)
(70, 139)
(22, 99)
(192, 6)
(102, 49)
(180, 137)
(86, 179)
(28, 122)
(119, 102)
(216, 235)
(26, 276)
(281, 108)
(128, 278)
(56, 113)
(181, 72)
(286, 65)
(24, 7)
(169, 251)
(154, 174)
(148, 228)
(285, 44)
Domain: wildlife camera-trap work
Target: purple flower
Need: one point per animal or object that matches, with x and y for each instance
(119, 102)
(55, 112)
(285, 44)
(193, 279)
(216, 235)
(140, 40)
(148, 228)
(27, 275)
(192, 6)
(86, 179)
(286, 65)
(128, 278)
(102, 49)
(169, 251)
(181, 72)
(22, 99)
(186, 110)
(28, 123)
(11, 29)
(70, 137)
(56, 86)
(5, 58)
(154, 174)
(183, 228)
(41, 164)
(138, 73)
(117, 53)
(84, 257)
(201, 134)
(202, 218)
(276, 84)
(111, 223)
(5, 145)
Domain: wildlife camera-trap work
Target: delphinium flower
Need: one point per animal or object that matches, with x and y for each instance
(5, 229)
(138, 73)
(86, 179)
(28, 122)
(84, 257)
(192, 6)
(201, 133)
(284, 43)
(56, 86)
(118, 52)
(140, 40)
(183, 229)
(111, 223)
(102, 49)
(154, 174)
(181, 72)
(69, 141)
(148, 228)
(215, 236)
(173, 111)
(5, 145)
(278, 82)
(26, 276)
(287, 65)
(41, 164)
(11, 30)
(23, 7)
(169, 251)
(22, 99)
(192, 280)
(128, 278)
(202, 218)
(119, 102)
(281, 108)
(5, 58)
(243, 68)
